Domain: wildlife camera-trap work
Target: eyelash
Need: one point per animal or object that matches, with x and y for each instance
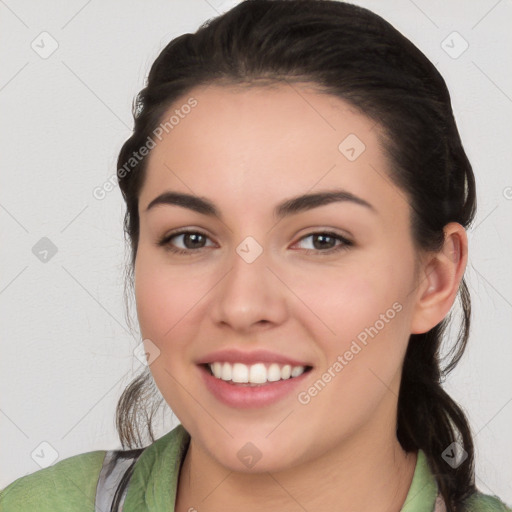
(165, 242)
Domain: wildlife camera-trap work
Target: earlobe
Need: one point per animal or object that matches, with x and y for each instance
(439, 280)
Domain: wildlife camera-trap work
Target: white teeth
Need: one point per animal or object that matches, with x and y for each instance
(254, 374)
(240, 373)
(297, 370)
(273, 372)
(217, 369)
(226, 371)
(257, 373)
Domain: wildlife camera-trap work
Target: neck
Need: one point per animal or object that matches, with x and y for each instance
(357, 478)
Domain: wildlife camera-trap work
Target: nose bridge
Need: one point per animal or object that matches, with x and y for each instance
(249, 264)
(250, 294)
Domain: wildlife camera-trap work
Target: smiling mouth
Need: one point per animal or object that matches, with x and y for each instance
(258, 374)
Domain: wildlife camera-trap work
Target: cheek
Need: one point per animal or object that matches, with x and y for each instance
(154, 299)
(344, 301)
(161, 301)
(170, 308)
(362, 314)
(375, 327)
(162, 306)
(362, 359)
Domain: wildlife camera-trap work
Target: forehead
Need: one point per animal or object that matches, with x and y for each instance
(246, 144)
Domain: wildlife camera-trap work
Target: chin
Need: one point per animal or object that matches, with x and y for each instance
(254, 454)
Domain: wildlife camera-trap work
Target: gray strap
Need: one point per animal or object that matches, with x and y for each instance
(117, 467)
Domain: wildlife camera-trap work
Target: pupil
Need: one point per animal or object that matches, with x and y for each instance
(323, 238)
(196, 239)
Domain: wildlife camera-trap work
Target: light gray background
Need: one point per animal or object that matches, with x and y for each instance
(66, 350)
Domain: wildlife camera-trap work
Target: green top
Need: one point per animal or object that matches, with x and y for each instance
(70, 485)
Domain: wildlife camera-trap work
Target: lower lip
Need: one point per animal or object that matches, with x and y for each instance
(243, 396)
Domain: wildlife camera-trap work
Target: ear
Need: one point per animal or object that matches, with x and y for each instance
(439, 278)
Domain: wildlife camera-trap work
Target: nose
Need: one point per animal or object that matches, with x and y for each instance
(250, 297)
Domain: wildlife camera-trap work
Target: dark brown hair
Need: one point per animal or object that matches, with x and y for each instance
(355, 55)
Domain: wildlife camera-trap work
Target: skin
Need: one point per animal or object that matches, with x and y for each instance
(246, 150)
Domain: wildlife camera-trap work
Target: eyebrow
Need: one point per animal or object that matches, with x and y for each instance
(286, 208)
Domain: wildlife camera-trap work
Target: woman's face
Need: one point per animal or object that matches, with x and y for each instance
(274, 271)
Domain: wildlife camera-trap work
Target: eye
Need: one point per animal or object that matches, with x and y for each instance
(190, 241)
(325, 242)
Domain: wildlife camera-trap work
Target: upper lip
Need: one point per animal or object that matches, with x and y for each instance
(255, 356)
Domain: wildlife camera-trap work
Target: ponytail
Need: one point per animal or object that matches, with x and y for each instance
(429, 419)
